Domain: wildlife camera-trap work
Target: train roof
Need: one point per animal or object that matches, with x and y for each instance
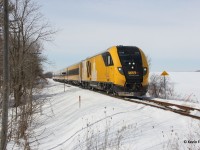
(108, 49)
(93, 56)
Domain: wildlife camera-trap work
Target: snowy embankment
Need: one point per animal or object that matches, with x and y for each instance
(103, 122)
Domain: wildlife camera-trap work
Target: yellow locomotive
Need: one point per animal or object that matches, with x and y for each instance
(121, 70)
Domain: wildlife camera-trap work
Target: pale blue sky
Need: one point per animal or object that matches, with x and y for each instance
(168, 31)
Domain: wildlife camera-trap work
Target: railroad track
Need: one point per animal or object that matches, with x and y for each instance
(176, 108)
(179, 109)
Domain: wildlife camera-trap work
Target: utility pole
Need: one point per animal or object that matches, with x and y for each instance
(4, 128)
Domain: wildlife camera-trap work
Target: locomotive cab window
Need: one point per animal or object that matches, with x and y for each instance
(107, 59)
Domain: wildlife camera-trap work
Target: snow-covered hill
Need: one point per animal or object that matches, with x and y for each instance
(103, 122)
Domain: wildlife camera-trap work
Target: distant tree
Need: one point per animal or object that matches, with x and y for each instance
(48, 75)
(149, 61)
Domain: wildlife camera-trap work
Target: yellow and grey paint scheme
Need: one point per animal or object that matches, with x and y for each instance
(111, 71)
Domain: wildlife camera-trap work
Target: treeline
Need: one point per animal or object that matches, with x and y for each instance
(27, 32)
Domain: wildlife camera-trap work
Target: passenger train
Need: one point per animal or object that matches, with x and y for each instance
(120, 70)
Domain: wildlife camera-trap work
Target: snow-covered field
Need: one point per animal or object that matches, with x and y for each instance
(186, 85)
(103, 122)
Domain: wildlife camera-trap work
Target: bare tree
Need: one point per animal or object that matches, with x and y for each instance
(157, 87)
(27, 31)
(48, 75)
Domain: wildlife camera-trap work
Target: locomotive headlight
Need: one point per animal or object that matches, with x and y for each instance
(121, 70)
(144, 71)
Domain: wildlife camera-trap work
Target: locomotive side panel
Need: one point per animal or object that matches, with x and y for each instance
(145, 71)
(93, 69)
(98, 69)
(117, 77)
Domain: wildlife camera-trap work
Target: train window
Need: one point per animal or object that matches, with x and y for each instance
(107, 59)
(73, 72)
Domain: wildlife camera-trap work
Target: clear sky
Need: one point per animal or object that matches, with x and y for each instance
(168, 31)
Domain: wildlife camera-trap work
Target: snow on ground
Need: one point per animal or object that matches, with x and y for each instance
(103, 122)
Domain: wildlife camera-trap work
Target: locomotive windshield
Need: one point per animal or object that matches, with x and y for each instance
(131, 61)
(129, 56)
